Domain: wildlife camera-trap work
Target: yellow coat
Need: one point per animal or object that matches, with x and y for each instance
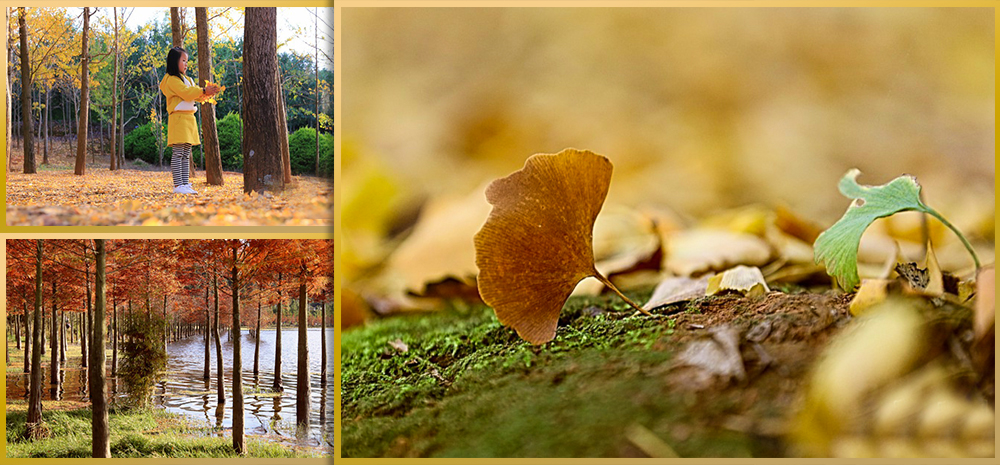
(182, 127)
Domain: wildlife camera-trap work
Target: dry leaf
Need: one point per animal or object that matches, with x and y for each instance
(676, 289)
(439, 247)
(985, 304)
(747, 280)
(719, 356)
(536, 244)
(698, 251)
(872, 292)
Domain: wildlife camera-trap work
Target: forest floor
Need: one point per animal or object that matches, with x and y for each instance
(140, 194)
(458, 383)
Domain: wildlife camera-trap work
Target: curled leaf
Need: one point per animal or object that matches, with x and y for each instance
(536, 244)
(837, 247)
(746, 280)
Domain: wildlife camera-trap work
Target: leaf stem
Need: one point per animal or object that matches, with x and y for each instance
(965, 242)
(607, 282)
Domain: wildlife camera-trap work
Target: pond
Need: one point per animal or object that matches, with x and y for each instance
(270, 415)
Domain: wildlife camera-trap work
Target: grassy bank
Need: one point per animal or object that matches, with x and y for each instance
(607, 385)
(134, 433)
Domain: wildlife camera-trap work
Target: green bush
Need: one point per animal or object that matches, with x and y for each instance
(230, 145)
(141, 143)
(302, 151)
(143, 357)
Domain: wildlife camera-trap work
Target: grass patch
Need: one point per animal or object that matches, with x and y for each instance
(469, 387)
(134, 433)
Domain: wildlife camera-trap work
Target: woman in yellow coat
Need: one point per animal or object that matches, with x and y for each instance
(182, 127)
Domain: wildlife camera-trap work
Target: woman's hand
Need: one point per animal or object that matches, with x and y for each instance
(211, 89)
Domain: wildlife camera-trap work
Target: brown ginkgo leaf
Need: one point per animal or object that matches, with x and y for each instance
(537, 243)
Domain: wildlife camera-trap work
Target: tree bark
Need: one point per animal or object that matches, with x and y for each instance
(45, 126)
(322, 338)
(26, 135)
(277, 344)
(256, 348)
(261, 139)
(35, 389)
(100, 445)
(10, 77)
(316, 112)
(27, 340)
(302, 388)
(81, 134)
(210, 144)
(239, 439)
(114, 99)
(54, 361)
(221, 377)
(286, 159)
(208, 337)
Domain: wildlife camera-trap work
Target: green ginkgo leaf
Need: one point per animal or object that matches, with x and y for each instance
(837, 247)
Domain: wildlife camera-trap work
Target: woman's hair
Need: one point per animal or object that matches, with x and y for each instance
(173, 60)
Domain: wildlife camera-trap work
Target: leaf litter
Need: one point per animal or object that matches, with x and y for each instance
(765, 345)
(145, 198)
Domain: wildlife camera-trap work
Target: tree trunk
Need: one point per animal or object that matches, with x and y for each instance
(221, 377)
(261, 140)
(302, 398)
(35, 391)
(114, 99)
(239, 439)
(85, 324)
(316, 112)
(100, 445)
(210, 144)
(208, 337)
(286, 159)
(45, 131)
(27, 340)
(277, 344)
(26, 135)
(256, 348)
(322, 338)
(54, 361)
(81, 135)
(114, 339)
(8, 167)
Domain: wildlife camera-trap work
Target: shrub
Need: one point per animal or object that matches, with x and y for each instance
(141, 143)
(143, 356)
(302, 151)
(230, 143)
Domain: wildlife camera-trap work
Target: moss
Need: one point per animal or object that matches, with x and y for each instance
(469, 387)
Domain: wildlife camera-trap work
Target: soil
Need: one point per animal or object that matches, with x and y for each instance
(613, 383)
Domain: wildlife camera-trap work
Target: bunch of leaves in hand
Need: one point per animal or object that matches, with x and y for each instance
(837, 247)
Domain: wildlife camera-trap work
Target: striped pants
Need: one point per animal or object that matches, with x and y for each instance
(180, 163)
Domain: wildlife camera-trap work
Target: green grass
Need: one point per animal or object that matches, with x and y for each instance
(469, 387)
(134, 433)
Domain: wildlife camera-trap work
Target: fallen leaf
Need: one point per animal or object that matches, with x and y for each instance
(746, 280)
(399, 345)
(719, 356)
(676, 289)
(536, 244)
(446, 224)
(697, 251)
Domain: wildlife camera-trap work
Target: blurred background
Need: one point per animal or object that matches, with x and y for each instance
(700, 110)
